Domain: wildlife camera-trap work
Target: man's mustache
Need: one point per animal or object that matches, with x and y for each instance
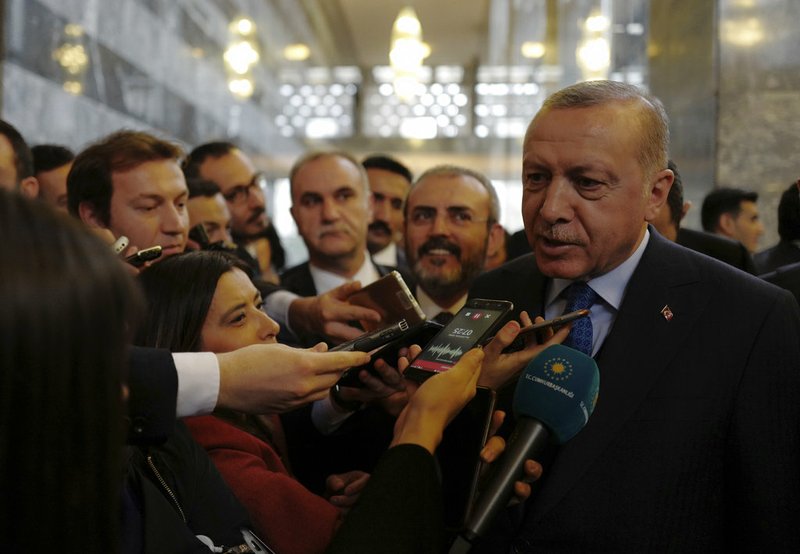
(380, 226)
(438, 243)
(558, 233)
(258, 214)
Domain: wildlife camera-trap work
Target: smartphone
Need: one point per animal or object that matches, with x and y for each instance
(459, 456)
(390, 297)
(142, 256)
(371, 340)
(421, 335)
(477, 320)
(556, 323)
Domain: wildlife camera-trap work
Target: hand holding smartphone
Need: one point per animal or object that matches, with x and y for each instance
(390, 297)
(539, 329)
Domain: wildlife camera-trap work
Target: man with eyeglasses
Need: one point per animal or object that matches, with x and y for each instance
(242, 186)
(451, 217)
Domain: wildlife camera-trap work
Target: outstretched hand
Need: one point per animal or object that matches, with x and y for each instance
(499, 368)
(270, 378)
(329, 315)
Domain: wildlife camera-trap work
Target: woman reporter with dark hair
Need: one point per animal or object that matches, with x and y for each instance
(206, 301)
(67, 309)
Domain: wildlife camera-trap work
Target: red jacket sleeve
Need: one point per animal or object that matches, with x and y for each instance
(290, 518)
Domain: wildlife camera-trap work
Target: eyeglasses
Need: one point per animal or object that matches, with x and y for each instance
(457, 217)
(240, 193)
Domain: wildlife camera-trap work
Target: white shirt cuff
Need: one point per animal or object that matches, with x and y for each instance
(198, 383)
(277, 307)
(325, 417)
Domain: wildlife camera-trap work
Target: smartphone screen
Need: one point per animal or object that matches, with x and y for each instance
(475, 321)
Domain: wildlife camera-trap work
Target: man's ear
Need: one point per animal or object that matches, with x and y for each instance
(659, 190)
(727, 224)
(29, 187)
(495, 240)
(89, 216)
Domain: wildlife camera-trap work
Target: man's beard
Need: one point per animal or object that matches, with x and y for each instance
(446, 283)
(257, 216)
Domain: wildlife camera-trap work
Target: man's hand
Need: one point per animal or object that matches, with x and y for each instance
(270, 378)
(494, 448)
(499, 369)
(343, 489)
(329, 315)
(387, 385)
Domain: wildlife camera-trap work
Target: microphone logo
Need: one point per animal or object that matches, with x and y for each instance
(558, 368)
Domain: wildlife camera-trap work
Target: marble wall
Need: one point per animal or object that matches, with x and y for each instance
(152, 64)
(729, 74)
(758, 130)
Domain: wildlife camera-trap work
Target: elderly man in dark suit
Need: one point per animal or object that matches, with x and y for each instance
(695, 441)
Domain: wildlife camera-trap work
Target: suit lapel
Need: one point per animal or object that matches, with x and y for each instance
(636, 352)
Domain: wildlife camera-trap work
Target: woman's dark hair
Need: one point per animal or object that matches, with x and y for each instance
(789, 214)
(68, 307)
(179, 291)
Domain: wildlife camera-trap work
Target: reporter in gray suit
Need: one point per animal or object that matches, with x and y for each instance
(694, 445)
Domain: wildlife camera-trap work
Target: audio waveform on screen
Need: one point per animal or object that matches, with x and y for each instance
(445, 351)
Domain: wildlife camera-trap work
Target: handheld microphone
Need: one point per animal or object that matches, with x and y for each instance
(554, 398)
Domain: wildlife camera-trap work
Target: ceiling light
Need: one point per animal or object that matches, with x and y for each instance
(407, 52)
(534, 50)
(296, 52)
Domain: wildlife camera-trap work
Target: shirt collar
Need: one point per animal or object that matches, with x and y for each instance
(431, 309)
(325, 280)
(609, 286)
(386, 256)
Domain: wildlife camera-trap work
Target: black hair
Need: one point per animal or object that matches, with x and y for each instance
(789, 214)
(723, 201)
(195, 158)
(67, 309)
(202, 187)
(23, 160)
(675, 196)
(179, 291)
(47, 157)
(387, 163)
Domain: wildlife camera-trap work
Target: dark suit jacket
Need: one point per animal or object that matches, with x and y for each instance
(694, 445)
(153, 388)
(786, 277)
(783, 253)
(357, 444)
(724, 249)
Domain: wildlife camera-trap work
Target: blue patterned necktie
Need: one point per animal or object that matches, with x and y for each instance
(580, 296)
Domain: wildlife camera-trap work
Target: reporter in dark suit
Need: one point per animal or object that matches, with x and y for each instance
(694, 444)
